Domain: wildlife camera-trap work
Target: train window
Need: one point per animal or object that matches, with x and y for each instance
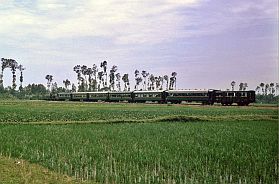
(243, 94)
(231, 94)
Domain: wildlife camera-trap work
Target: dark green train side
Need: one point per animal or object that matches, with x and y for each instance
(208, 97)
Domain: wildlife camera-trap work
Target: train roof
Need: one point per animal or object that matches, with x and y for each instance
(230, 91)
(157, 91)
(188, 91)
(97, 92)
(118, 92)
(74, 93)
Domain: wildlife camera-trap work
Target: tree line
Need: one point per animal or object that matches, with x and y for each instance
(88, 79)
(265, 92)
(103, 79)
(262, 89)
(14, 66)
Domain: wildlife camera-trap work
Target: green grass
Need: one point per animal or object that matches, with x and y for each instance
(199, 151)
(40, 111)
(156, 144)
(21, 171)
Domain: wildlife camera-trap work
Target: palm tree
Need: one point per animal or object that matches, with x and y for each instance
(101, 80)
(152, 82)
(266, 89)
(241, 86)
(112, 77)
(74, 88)
(89, 72)
(136, 79)
(4, 65)
(67, 83)
(174, 74)
(2, 71)
(118, 78)
(84, 73)
(77, 69)
(157, 83)
(167, 80)
(104, 66)
(21, 68)
(171, 83)
(95, 71)
(49, 79)
(233, 84)
(11, 63)
(262, 86)
(54, 87)
(245, 85)
(161, 79)
(277, 88)
(125, 79)
(272, 90)
(81, 87)
(258, 89)
(144, 75)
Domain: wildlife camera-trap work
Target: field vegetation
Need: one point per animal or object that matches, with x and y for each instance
(144, 143)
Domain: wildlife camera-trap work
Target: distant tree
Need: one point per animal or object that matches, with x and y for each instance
(49, 79)
(21, 68)
(233, 84)
(82, 86)
(101, 80)
(112, 77)
(136, 79)
(277, 88)
(118, 78)
(258, 88)
(157, 82)
(77, 69)
(161, 79)
(166, 78)
(144, 75)
(241, 86)
(4, 65)
(35, 89)
(272, 90)
(95, 71)
(245, 85)
(266, 89)
(67, 83)
(174, 74)
(54, 87)
(125, 79)
(89, 72)
(152, 82)
(171, 83)
(84, 72)
(262, 86)
(74, 88)
(104, 66)
(11, 63)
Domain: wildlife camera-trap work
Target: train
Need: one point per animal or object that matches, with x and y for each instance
(206, 97)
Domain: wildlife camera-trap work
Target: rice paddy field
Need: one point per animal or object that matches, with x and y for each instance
(143, 143)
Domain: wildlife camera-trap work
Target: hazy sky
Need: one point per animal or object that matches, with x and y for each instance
(208, 43)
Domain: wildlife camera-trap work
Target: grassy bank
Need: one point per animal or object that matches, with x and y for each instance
(161, 152)
(143, 143)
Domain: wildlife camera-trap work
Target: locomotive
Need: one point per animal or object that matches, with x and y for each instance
(208, 97)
